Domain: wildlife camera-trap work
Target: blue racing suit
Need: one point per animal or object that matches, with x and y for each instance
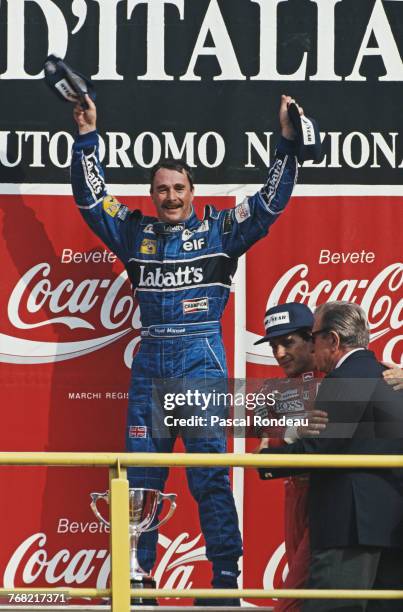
(182, 276)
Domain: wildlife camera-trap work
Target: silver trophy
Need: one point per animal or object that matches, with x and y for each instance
(143, 508)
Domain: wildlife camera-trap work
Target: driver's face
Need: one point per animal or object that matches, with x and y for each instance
(293, 354)
(172, 195)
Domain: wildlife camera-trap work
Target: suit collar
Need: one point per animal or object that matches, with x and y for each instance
(364, 354)
(346, 356)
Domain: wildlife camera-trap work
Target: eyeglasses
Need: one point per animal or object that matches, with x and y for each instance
(324, 330)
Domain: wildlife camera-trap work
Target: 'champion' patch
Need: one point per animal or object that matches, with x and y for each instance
(195, 305)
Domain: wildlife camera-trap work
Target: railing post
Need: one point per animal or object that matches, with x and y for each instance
(119, 539)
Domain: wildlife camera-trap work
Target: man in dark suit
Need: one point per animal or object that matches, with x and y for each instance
(355, 515)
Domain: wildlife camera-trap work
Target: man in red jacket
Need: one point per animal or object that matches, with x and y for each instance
(288, 330)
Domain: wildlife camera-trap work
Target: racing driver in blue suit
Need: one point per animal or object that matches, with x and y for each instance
(181, 268)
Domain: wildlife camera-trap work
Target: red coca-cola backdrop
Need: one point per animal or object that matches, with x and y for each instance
(67, 337)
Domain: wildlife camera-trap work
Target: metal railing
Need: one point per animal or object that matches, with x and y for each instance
(117, 463)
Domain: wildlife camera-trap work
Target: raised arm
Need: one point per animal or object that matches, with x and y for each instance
(243, 225)
(110, 220)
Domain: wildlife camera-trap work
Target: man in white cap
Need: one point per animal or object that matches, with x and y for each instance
(288, 331)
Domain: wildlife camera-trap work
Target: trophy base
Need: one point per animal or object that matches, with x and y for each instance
(145, 582)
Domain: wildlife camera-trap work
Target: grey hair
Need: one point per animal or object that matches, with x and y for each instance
(348, 320)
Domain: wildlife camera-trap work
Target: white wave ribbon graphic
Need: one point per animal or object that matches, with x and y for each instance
(20, 350)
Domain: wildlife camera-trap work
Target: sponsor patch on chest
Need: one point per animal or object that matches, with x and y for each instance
(203, 227)
(194, 245)
(186, 234)
(289, 401)
(195, 305)
(148, 247)
(181, 276)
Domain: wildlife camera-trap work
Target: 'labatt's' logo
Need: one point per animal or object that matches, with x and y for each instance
(181, 277)
(93, 177)
(380, 297)
(31, 562)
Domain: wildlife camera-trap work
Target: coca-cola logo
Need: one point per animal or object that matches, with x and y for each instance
(31, 563)
(276, 569)
(380, 297)
(68, 304)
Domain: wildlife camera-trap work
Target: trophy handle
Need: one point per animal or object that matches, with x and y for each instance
(95, 497)
(171, 497)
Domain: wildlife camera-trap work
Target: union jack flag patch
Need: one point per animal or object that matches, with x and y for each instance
(137, 431)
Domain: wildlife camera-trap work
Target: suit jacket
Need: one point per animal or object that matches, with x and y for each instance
(350, 507)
